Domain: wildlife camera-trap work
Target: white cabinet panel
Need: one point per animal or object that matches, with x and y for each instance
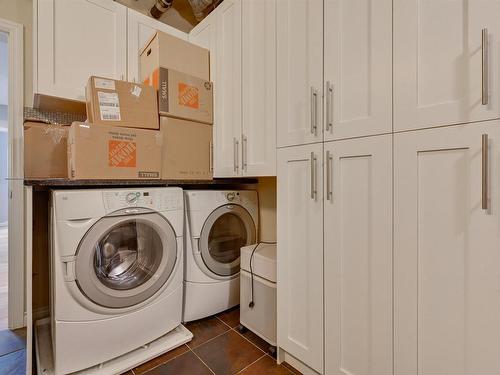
(358, 256)
(227, 137)
(205, 35)
(300, 253)
(77, 39)
(259, 88)
(140, 30)
(446, 252)
(299, 26)
(358, 68)
(438, 76)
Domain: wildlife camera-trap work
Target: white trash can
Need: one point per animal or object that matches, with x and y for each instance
(258, 312)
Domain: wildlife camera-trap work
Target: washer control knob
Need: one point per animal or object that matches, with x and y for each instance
(132, 197)
(230, 196)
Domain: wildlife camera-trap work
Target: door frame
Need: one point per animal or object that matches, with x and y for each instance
(16, 248)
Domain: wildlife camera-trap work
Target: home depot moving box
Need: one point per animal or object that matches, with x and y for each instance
(167, 51)
(187, 150)
(110, 152)
(183, 96)
(46, 129)
(121, 103)
(45, 148)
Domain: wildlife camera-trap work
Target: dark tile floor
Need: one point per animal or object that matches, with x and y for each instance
(217, 348)
(13, 352)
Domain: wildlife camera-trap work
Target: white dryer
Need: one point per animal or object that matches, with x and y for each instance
(116, 272)
(218, 225)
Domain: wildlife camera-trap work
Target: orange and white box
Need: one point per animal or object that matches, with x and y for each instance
(182, 96)
(109, 152)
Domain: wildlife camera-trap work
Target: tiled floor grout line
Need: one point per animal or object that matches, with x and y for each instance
(161, 364)
(238, 332)
(213, 338)
(258, 359)
(202, 361)
(220, 320)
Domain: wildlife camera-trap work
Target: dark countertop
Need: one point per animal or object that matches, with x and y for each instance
(66, 183)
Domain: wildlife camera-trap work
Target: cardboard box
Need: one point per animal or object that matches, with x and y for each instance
(45, 150)
(187, 150)
(173, 53)
(183, 96)
(121, 103)
(109, 152)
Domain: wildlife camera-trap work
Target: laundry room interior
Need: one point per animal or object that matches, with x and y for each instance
(249, 187)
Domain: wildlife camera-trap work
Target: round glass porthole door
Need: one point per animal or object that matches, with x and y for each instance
(224, 233)
(124, 260)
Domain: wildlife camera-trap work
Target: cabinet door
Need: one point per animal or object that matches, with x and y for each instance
(300, 253)
(77, 39)
(446, 251)
(358, 256)
(299, 26)
(140, 30)
(205, 35)
(259, 88)
(227, 128)
(438, 65)
(358, 68)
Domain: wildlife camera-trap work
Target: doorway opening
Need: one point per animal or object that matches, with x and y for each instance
(4, 174)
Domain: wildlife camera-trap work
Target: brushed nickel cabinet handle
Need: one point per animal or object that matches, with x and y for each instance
(329, 175)
(484, 67)
(313, 176)
(314, 110)
(235, 156)
(244, 150)
(329, 106)
(484, 172)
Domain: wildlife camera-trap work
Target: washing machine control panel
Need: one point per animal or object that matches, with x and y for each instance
(155, 200)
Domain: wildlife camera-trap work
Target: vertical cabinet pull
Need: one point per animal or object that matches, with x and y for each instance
(484, 67)
(313, 176)
(244, 150)
(484, 174)
(329, 106)
(235, 156)
(329, 176)
(211, 157)
(314, 110)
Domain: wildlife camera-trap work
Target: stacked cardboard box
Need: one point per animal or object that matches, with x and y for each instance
(180, 71)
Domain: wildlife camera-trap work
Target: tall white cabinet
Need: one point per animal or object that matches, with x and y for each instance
(76, 39)
(446, 250)
(358, 256)
(241, 37)
(300, 253)
(446, 58)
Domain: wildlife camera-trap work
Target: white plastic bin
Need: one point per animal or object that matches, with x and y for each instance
(261, 318)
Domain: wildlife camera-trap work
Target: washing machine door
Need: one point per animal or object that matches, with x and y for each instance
(224, 233)
(124, 259)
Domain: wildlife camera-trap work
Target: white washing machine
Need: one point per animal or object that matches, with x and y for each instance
(116, 272)
(218, 225)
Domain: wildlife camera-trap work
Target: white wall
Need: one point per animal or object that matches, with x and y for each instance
(4, 70)
(21, 11)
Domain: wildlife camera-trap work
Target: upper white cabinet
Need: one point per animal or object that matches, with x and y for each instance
(241, 37)
(300, 253)
(358, 68)
(446, 59)
(446, 250)
(258, 144)
(227, 129)
(358, 256)
(76, 39)
(140, 29)
(299, 27)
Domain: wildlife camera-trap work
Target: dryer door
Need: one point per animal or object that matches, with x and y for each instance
(125, 259)
(225, 232)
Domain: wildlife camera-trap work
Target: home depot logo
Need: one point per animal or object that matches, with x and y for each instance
(122, 154)
(188, 96)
